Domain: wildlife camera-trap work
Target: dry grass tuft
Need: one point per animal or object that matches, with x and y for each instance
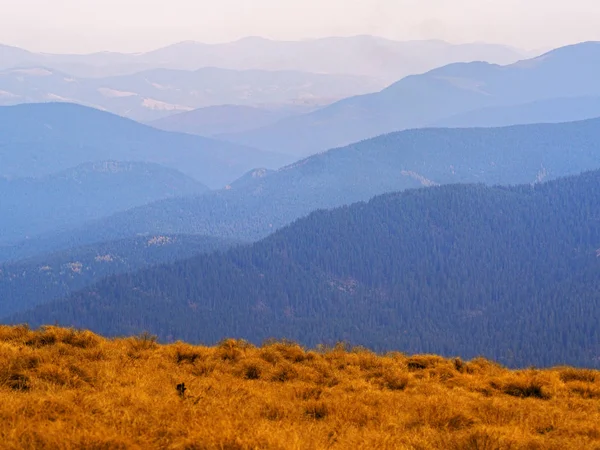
(570, 374)
(70, 389)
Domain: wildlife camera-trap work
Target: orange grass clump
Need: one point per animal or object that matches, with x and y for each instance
(66, 389)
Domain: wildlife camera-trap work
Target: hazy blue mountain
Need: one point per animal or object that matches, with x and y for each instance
(157, 93)
(89, 65)
(420, 100)
(32, 206)
(41, 139)
(215, 120)
(381, 59)
(424, 271)
(13, 56)
(25, 284)
(555, 110)
(210, 86)
(360, 55)
(398, 161)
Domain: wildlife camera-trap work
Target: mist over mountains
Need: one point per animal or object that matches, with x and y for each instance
(298, 110)
(251, 72)
(423, 100)
(156, 93)
(366, 56)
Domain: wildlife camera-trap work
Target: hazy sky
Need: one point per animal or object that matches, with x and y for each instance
(137, 25)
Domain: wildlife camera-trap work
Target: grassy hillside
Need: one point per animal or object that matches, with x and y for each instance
(68, 389)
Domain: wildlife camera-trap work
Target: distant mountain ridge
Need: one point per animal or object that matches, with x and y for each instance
(370, 56)
(364, 55)
(156, 93)
(65, 200)
(41, 139)
(421, 100)
(261, 204)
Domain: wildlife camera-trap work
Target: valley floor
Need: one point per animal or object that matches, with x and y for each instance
(70, 389)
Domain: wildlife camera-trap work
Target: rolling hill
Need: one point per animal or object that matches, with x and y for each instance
(263, 201)
(66, 200)
(249, 179)
(41, 139)
(223, 119)
(28, 283)
(156, 93)
(421, 100)
(468, 270)
(13, 56)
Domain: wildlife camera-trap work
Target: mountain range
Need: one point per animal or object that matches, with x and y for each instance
(43, 139)
(370, 56)
(421, 271)
(423, 100)
(264, 201)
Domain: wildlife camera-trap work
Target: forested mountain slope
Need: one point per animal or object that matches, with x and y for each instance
(421, 100)
(41, 139)
(66, 200)
(25, 284)
(509, 273)
(259, 205)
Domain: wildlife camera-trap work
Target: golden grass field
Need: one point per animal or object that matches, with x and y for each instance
(64, 389)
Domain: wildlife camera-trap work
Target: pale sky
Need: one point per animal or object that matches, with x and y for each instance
(140, 25)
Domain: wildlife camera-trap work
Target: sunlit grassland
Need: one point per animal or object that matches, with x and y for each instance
(62, 388)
